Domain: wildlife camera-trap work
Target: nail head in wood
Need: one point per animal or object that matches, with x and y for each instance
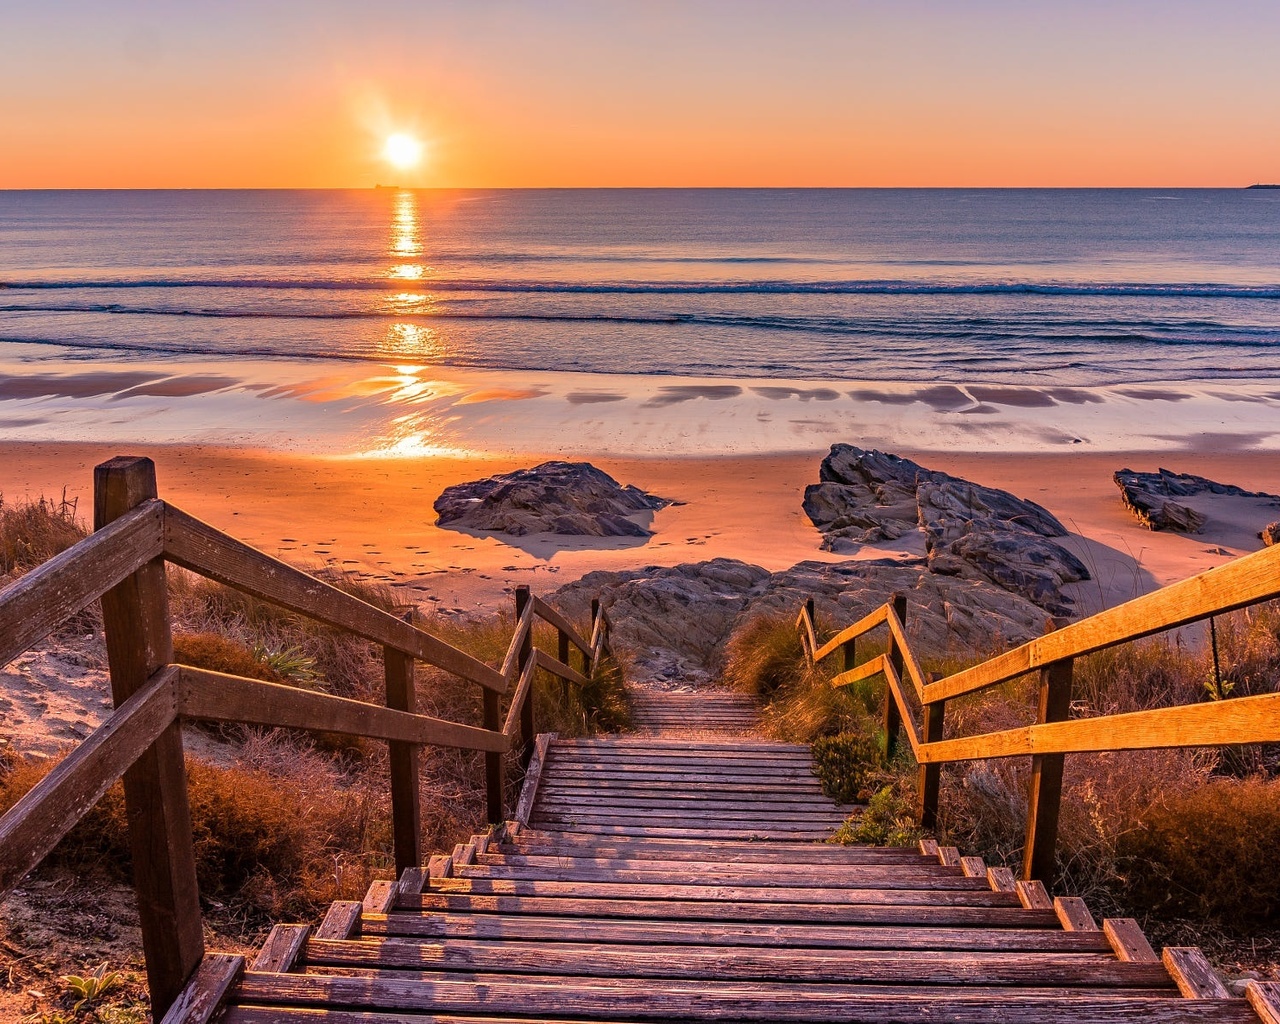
(1127, 940)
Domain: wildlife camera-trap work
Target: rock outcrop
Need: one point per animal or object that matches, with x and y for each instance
(970, 531)
(569, 498)
(673, 621)
(1270, 534)
(1149, 496)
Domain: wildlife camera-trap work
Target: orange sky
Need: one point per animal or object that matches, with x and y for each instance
(599, 93)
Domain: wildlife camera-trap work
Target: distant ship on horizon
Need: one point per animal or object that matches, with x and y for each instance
(1262, 186)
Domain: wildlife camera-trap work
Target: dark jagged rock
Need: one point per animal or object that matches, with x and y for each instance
(970, 531)
(673, 621)
(570, 498)
(1149, 496)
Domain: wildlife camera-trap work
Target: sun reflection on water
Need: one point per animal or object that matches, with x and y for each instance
(406, 236)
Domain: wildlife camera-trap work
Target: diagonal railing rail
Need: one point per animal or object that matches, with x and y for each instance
(123, 564)
(917, 705)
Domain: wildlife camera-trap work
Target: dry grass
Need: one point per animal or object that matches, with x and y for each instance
(32, 532)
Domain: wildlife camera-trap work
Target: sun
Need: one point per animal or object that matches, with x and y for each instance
(402, 151)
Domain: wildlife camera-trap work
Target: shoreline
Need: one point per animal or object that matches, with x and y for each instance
(374, 516)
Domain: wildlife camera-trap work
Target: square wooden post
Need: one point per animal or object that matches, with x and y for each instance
(135, 617)
(589, 665)
(406, 813)
(929, 781)
(892, 717)
(1039, 855)
(526, 709)
(562, 653)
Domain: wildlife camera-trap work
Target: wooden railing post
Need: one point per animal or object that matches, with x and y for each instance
(562, 652)
(526, 652)
(929, 781)
(406, 814)
(589, 663)
(892, 717)
(1038, 859)
(135, 617)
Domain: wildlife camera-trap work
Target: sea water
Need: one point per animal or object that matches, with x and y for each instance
(1052, 287)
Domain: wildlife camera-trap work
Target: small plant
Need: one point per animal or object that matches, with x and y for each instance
(290, 663)
(847, 765)
(888, 821)
(91, 987)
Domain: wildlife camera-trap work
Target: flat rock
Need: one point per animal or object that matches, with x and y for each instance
(672, 622)
(567, 498)
(1150, 497)
(970, 531)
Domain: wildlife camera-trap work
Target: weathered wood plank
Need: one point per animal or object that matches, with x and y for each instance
(1001, 879)
(201, 997)
(1127, 940)
(199, 547)
(1264, 997)
(217, 697)
(518, 698)
(1033, 895)
(342, 921)
(864, 625)
(51, 809)
(922, 967)
(532, 778)
(406, 814)
(284, 945)
(866, 670)
(39, 601)
(1074, 914)
(1192, 974)
(895, 876)
(1241, 582)
(547, 998)
(381, 896)
(557, 668)
(786, 935)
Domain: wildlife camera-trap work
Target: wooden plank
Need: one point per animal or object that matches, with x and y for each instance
(563, 998)
(1033, 895)
(1192, 974)
(464, 853)
(342, 921)
(1001, 880)
(438, 867)
(135, 620)
(864, 625)
(414, 879)
(1127, 940)
(1074, 914)
(859, 907)
(215, 696)
(557, 668)
(973, 867)
(1241, 720)
(647, 817)
(1241, 582)
(1039, 858)
(703, 870)
(51, 809)
(747, 834)
(912, 667)
(949, 856)
(692, 802)
(532, 777)
(548, 614)
(675, 850)
(380, 897)
(907, 711)
(406, 813)
(784, 935)
(925, 967)
(808, 633)
(697, 861)
(39, 601)
(201, 997)
(929, 847)
(197, 546)
(866, 670)
(285, 944)
(1264, 997)
(518, 698)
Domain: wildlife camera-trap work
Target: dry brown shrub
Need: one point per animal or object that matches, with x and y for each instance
(32, 532)
(219, 653)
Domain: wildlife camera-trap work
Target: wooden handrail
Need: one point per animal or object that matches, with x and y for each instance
(122, 563)
(218, 697)
(50, 809)
(1242, 582)
(545, 612)
(35, 604)
(199, 547)
(1232, 722)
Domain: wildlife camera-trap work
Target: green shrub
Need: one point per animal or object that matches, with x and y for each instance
(847, 765)
(889, 820)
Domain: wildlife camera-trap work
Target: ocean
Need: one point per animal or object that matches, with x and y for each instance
(1053, 287)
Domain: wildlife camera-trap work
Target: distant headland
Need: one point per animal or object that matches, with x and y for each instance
(1262, 186)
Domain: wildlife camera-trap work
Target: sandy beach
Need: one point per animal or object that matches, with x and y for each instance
(374, 516)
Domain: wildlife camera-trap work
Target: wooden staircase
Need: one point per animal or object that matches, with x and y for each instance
(651, 878)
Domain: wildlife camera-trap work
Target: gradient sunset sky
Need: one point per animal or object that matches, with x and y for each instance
(986, 93)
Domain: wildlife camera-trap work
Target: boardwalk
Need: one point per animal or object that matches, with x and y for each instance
(661, 879)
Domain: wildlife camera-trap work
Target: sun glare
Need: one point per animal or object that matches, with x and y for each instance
(402, 151)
